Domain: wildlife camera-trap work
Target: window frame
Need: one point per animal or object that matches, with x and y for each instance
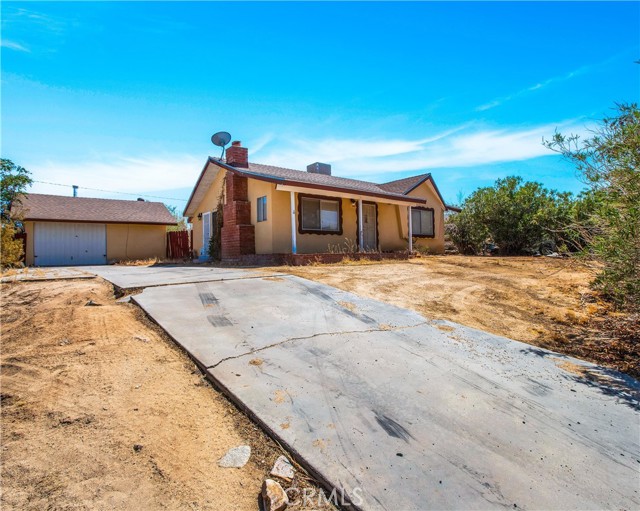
(261, 209)
(433, 222)
(321, 198)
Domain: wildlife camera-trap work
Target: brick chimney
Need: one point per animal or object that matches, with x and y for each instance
(238, 156)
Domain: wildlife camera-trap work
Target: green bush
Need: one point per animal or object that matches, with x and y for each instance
(517, 216)
(609, 217)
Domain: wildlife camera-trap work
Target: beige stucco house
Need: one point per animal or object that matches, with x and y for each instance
(275, 210)
(69, 231)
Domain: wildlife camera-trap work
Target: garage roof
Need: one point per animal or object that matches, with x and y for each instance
(57, 208)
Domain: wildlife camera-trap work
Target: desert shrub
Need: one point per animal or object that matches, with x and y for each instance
(14, 180)
(609, 218)
(515, 215)
(11, 251)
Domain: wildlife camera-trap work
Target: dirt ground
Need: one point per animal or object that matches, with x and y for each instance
(542, 301)
(101, 411)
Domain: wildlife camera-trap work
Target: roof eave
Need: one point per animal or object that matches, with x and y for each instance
(67, 220)
(210, 159)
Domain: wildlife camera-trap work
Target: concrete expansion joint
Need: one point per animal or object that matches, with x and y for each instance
(169, 284)
(319, 334)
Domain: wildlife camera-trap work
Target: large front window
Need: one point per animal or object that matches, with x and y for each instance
(320, 215)
(422, 222)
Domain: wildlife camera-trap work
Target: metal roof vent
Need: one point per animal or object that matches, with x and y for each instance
(319, 168)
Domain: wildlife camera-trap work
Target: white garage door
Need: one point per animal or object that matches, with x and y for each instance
(69, 244)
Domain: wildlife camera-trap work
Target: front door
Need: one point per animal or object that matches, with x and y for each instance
(369, 227)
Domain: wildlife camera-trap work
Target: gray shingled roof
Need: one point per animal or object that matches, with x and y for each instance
(393, 190)
(303, 177)
(405, 185)
(35, 206)
(319, 179)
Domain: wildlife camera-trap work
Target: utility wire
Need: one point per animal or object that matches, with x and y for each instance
(111, 191)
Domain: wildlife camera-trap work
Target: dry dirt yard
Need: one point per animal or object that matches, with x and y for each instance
(542, 301)
(82, 385)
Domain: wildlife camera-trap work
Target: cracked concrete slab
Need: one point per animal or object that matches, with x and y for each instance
(401, 421)
(135, 277)
(230, 318)
(405, 413)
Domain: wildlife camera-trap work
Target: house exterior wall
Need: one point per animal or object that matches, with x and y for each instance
(273, 236)
(389, 231)
(435, 244)
(124, 241)
(29, 229)
(208, 204)
(281, 215)
(135, 241)
(264, 229)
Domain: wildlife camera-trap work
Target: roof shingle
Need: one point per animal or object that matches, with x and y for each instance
(405, 185)
(35, 206)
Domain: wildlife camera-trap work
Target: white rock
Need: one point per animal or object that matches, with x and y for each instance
(283, 469)
(236, 457)
(273, 496)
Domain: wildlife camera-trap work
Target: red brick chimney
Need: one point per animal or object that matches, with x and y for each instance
(238, 156)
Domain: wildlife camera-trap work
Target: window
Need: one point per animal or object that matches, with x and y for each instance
(320, 215)
(262, 208)
(422, 222)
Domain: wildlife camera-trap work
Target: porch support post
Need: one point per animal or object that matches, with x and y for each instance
(360, 233)
(410, 229)
(293, 223)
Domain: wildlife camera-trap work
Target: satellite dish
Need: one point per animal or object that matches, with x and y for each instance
(221, 139)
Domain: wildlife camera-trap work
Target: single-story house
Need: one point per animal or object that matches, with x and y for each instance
(65, 231)
(274, 210)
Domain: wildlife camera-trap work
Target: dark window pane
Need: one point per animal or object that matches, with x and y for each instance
(310, 214)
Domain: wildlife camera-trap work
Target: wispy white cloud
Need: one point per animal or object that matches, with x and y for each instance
(461, 147)
(12, 45)
(128, 174)
(535, 87)
(465, 146)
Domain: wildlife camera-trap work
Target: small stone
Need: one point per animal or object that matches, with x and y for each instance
(236, 457)
(273, 496)
(91, 303)
(283, 469)
(137, 447)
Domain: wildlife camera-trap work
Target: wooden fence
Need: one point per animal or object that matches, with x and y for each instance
(179, 244)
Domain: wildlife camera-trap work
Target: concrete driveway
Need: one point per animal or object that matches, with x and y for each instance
(397, 411)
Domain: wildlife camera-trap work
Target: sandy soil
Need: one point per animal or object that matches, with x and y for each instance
(82, 385)
(538, 300)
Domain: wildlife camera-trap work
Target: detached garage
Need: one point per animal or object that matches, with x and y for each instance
(71, 231)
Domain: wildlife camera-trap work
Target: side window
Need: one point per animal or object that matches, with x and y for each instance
(422, 222)
(262, 208)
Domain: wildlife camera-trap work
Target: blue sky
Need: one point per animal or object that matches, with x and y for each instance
(124, 96)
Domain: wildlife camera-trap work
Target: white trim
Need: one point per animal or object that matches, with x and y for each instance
(205, 238)
(410, 232)
(293, 223)
(360, 230)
